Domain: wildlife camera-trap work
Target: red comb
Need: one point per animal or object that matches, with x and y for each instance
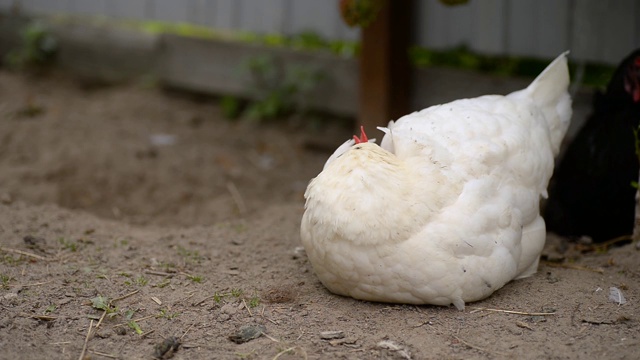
(363, 137)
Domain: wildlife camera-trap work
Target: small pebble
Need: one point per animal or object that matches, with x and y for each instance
(166, 348)
(229, 309)
(247, 333)
(331, 335)
(6, 199)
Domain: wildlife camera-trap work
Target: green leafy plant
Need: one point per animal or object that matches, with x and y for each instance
(164, 283)
(254, 301)
(141, 281)
(38, 49)
(164, 313)
(190, 256)
(462, 57)
(359, 12)
(103, 303)
(279, 90)
(68, 244)
(4, 279)
(134, 325)
(195, 278)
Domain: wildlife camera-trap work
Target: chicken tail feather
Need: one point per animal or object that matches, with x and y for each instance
(549, 92)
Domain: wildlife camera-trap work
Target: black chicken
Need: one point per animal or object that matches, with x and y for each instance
(591, 192)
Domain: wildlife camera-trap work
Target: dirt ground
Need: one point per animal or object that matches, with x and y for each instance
(129, 215)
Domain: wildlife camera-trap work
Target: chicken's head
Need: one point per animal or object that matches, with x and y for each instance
(363, 137)
(632, 79)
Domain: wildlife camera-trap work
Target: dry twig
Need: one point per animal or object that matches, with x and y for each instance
(20, 252)
(476, 309)
(125, 296)
(40, 317)
(186, 331)
(574, 267)
(246, 307)
(86, 341)
(159, 273)
(237, 197)
(134, 320)
(28, 285)
(304, 353)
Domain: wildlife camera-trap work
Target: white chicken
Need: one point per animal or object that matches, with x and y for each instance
(446, 209)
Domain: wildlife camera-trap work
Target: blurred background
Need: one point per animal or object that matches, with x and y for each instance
(189, 112)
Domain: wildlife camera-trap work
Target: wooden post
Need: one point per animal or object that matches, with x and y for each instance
(385, 69)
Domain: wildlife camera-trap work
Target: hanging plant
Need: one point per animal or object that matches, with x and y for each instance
(360, 12)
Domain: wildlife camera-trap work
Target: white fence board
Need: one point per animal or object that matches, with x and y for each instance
(553, 28)
(594, 30)
(127, 9)
(226, 14)
(489, 27)
(263, 17)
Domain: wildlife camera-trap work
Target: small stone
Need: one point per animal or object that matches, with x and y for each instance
(10, 296)
(34, 242)
(5, 322)
(349, 342)
(390, 346)
(65, 301)
(229, 309)
(6, 199)
(247, 333)
(331, 335)
(103, 334)
(298, 252)
(166, 348)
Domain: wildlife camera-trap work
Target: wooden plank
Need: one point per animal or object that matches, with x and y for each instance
(523, 22)
(603, 31)
(171, 10)
(226, 14)
(266, 16)
(384, 66)
(460, 23)
(432, 24)
(203, 12)
(553, 37)
(618, 31)
(89, 7)
(314, 15)
(443, 27)
(106, 53)
(127, 9)
(489, 28)
(6, 5)
(42, 6)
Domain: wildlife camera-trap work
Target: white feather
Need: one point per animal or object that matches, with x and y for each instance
(445, 210)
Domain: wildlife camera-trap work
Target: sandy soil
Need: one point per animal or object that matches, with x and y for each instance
(180, 223)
